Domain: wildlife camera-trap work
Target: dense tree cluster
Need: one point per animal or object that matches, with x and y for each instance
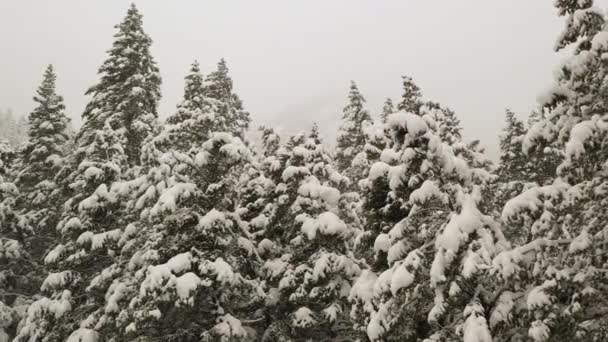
(135, 229)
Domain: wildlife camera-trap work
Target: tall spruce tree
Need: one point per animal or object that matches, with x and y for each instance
(193, 95)
(387, 109)
(127, 94)
(351, 138)
(411, 100)
(30, 216)
(193, 122)
(229, 107)
(308, 265)
(558, 277)
(422, 225)
(118, 119)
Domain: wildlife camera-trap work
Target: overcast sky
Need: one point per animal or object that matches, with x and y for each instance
(291, 61)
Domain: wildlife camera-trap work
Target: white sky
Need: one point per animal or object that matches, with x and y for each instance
(292, 61)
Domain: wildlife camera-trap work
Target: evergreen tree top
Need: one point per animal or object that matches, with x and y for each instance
(354, 110)
(411, 100)
(127, 92)
(387, 109)
(315, 134)
(193, 95)
(47, 130)
(193, 89)
(50, 107)
(219, 83)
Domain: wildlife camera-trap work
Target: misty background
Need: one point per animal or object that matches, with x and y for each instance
(292, 62)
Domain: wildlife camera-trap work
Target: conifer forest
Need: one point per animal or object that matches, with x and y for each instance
(135, 227)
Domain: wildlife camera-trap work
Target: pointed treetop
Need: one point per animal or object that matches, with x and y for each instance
(127, 93)
(193, 90)
(356, 101)
(47, 132)
(315, 134)
(411, 100)
(46, 90)
(387, 109)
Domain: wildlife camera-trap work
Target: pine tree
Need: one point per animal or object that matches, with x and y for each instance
(127, 94)
(351, 139)
(193, 122)
(558, 276)
(229, 107)
(411, 100)
(187, 265)
(512, 158)
(308, 266)
(448, 124)
(387, 109)
(422, 226)
(117, 120)
(30, 216)
(193, 96)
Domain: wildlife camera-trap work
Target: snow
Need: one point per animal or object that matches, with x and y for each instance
(10, 249)
(537, 297)
(412, 123)
(378, 170)
(581, 242)
(600, 41)
(212, 218)
(303, 318)
(180, 262)
(426, 191)
(167, 202)
(326, 223)
(363, 288)
(56, 280)
(539, 331)
(502, 309)
(92, 173)
(275, 268)
(332, 312)
(401, 278)
(294, 171)
(382, 243)
(185, 284)
(228, 326)
(221, 269)
(313, 188)
(454, 234)
(579, 134)
(475, 328)
(83, 335)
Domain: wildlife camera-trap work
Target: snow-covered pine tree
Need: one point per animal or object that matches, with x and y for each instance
(514, 169)
(229, 107)
(309, 266)
(411, 100)
(387, 109)
(119, 117)
(554, 286)
(29, 217)
(351, 137)
(11, 251)
(127, 93)
(513, 162)
(448, 124)
(193, 95)
(414, 288)
(187, 264)
(191, 125)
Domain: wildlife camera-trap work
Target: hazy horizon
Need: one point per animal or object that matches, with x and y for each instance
(292, 63)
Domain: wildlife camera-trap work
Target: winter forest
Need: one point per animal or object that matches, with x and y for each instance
(133, 228)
